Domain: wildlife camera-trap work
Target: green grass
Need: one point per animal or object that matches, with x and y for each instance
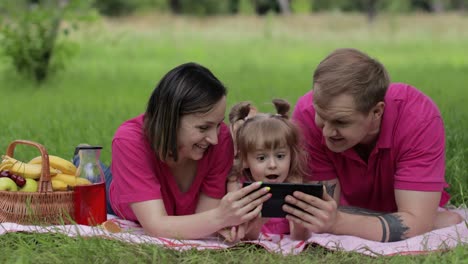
(120, 62)
(54, 248)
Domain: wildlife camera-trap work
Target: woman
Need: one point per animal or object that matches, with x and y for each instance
(169, 165)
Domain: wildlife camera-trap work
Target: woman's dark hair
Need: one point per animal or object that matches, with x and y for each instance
(189, 88)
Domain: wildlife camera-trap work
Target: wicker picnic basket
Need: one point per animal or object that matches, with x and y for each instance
(42, 207)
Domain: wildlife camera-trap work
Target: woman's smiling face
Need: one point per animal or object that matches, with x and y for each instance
(198, 131)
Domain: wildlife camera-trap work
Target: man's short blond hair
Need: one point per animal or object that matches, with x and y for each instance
(350, 71)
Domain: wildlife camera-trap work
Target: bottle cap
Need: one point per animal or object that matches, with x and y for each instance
(78, 148)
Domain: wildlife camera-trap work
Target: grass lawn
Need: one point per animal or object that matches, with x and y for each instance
(120, 61)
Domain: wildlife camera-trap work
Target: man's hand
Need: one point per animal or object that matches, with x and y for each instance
(317, 215)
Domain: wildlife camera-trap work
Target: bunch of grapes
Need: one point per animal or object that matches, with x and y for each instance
(20, 181)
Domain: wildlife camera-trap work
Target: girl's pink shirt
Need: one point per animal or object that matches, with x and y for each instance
(278, 226)
(138, 174)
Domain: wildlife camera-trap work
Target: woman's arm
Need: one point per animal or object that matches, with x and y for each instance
(233, 209)
(248, 230)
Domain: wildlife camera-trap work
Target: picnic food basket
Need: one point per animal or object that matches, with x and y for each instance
(42, 207)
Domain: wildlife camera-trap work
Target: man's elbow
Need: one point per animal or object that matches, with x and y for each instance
(447, 218)
(443, 219)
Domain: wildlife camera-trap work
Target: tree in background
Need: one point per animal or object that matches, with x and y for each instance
(29, 33)
(261, 7)
(115, 7)
(175, 6)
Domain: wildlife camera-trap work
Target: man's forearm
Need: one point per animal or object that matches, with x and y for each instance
(372, 225)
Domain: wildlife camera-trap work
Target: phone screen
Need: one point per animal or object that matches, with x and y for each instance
(273, 206)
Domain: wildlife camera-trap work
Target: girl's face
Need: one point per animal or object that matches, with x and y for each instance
(269, 165)
(343, 127)
(198, 131)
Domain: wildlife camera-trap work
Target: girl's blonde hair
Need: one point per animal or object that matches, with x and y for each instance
(268, 131)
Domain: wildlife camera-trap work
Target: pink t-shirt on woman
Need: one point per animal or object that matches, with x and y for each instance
(409, 153)
(138, 175)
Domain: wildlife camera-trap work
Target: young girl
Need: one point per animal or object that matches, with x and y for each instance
(268, 149)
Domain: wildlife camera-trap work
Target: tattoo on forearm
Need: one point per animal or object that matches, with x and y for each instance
(384, 229)
(330, 188)
(393, 228)
(358, 211)
(396, 228)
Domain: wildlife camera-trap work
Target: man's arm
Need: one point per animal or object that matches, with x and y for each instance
(415, 216)
(332, 187)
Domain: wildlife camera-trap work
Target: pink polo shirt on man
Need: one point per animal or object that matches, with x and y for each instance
(409, 153)
(138, 175)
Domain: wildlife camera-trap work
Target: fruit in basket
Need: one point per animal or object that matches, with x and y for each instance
(58, 185)
(71, 180)
(5, 173)
(5, 165)
(30, 186)
(20, 181)
(7, 184)
(25, 170)
(58, 163)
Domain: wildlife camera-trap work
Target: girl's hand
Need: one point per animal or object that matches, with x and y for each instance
(241, 206)
(298, 232)
(233, 233)
(317, 215)
(229, 233)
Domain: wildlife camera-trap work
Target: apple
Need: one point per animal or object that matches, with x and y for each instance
(29, 186)
(20, 181)
(7, 184)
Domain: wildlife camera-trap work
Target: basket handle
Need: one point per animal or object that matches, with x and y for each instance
(45, 185)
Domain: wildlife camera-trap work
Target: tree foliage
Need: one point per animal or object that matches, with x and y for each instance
(30, 31)
(262, 7)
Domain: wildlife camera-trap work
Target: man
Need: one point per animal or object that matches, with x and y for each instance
(379, 149)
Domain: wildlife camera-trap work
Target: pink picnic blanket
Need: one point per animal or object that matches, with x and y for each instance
(437, 240)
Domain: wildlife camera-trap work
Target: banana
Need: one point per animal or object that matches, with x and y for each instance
(26, 170)
(71, 180)
(58, 163)
(58, 185)
(5, 166)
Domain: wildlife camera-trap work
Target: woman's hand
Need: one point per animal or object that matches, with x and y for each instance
(243, 205)
(317, 215)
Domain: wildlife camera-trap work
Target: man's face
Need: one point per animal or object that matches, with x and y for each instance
(344, 127)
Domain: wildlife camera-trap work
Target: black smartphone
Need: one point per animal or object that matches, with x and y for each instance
(273, 206)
